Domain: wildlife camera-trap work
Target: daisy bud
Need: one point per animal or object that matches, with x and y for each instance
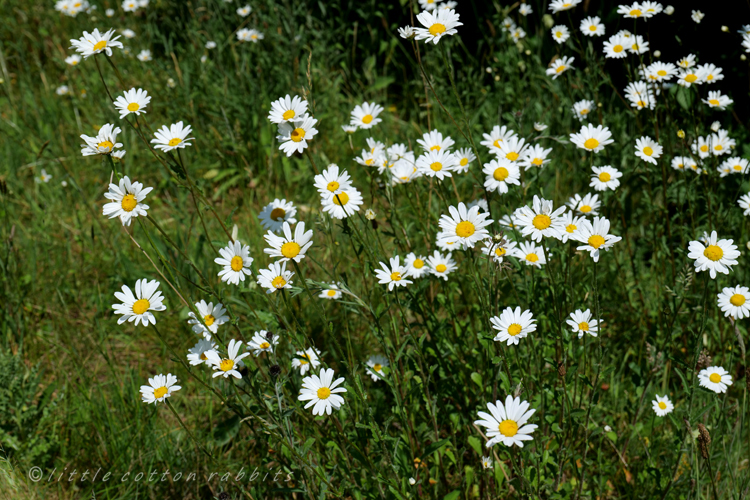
(528, 52)
(715, 126)
(488, 69)
(607, 428)
(171, 83)
(412, 481)
(275, 371)
(724, 29)
(669, 10)
(369, 214)
(657, 53)
(743, 57)
(681, 134)
(235, 232)
(548, 21)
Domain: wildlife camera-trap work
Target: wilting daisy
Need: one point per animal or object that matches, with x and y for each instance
(437, 24)
(588, 205)
(581, 322)
(375, 366)
(616, 47)
(500, 174)
(507, 423)
(530, 254)
(236, 261)
(212, 317)
(393, 276)
(227, 366)
(467, 226)
(540, 220)
(592, 138)
(96, 42)
(581, 109)
(132, 101)
(407, 32)
(104, 143)
(343, 204)
(647, 149)
(605, 177)
(436, 163)
(734, 302)
(535, 156)
(441, 265)
(321, 392)
(513, 325)
(497, 250)
(262, 341)
(289, 246)
(275, 214)
(331, 293)
(126, 200)
(463, 158)
(138, 307)
(697, 16)
(276, 277)
(595, 237)
(487, 461)
(173, 137)
(717, 100)
(415, 265)
(497, 137)
(715, 378)
(560, 66)
(332, 181)
(197, 354)
(715, 256)
(540, 127)
(294, 135)
(286, 109)
(560, 33)
(366, 115)
(159, 388)
(662, 405)
(306, 360)
(592, 26)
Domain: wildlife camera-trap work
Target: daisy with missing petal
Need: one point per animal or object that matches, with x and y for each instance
(530, 254)
(463, 157)
(507, 423)
(212, 317)
(616, 47)
(595, 237)
(581, 109)
(322, 392)
(289, 246)
(647, 149)
(437, 25)
(415, 265)
(366, 115)
(375, 366)
(436, 164)
(138, 307)
(717, 100)
(571, 223)
(715, 378)
(236, 261)
(508, 221)
(197, 354)
(332, 181)
(228, 366)
(560, 66)
(560, 5)
(407, 32)
(513, 325)
(286, 109)
(605, 177)
(306, 360)
(294, 135)
(343, 204)
(261, 342)
(132, 101)
(497, 137)
(441, 265)
(96, 42)
(540, 220)
(687, 61)
(174, 137)
(581, 323)
(159, 388)
(126, 200)
(500, 174)
(592, 138)
(444, 242)
(275, 214)
(662, 405)
(467, 226)
(393, 276)
(497, 250)
(715, 255)
(276, 277)
(331, 293)
(744, 203)
(592, 26)
(560, 33)
(734, 302)
(104, 143)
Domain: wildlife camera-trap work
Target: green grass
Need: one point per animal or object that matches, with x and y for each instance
(69, 397)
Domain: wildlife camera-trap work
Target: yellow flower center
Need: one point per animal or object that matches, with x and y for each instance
(436, 29)
(737, 299)
(369, 161)
(634, 47)
(718, 147)
(661, 72)
(304, 361)
(497, 143)
(333, 186)
(704, 148)
(558, 34)
(418, 264)
(341, 199)
(324, 393)
(617, 49)
(691, 78)
(174, 141)
(715, 378)
(709, 78)
(512, 156)
(106, 145)
(585, 209)
(560, 68)
(331, 293)
(538, 161)
(605, 177)
(532, 257)
(737, 168)
(288, 114)
(635, 13)
(395, 276)
(514, 329)
(100, 45)
(226, 365)
(290, 249)
(464, 162)
(583, 326)
(278, 282)
(500, 174)
(209, 319)
(367, 119)
(129, 202)
(592, 27)
(648, 151)
(714, 102)
(160, 392)
(440, 268)
(499, 251)
(298, 134)
(436, 166)
(591, 143)
(662, 405)
(713, 252)
(465, 229)
(508, 428)
(264, 345)
(377, 367)
(596, 241)
(571, 228)
(133, 106)
(236, 263)
(542, 221)
(641, 104)
(436, 147)
(141, 306)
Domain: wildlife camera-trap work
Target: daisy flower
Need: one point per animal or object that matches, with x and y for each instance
(428, 4)
(375, 366)
(662, 405)
(62, 90)
(736, 165)
(330, 293)
(407, 32)
(651, 8)
(441, 265)
(560, 66)
(306, 360)
(212, 317)
(690, 76)
(236, 261)
(286, 109)
(144, 55)
(631, 11)
(445, 242)
(592, 138)
(132, 101)
(715, 255)
(581, 109)
(126, 200)
(697, 16)
(512, 149)
(262, 341)
(365, 116)
(744, 203)
(560, 5)
(711, 73)
(393, 276)
(581, 322)
(275, 214)
(249, 35)
(290, 246)
(96, 42)
(637, 45)
(592, 26)
(226, 367)
(343, 204)
(73, 60)
(244, 11)
(715, 378)
(507, 423)
(467, 226)
(138, 307)
(415, 265)
(487, 461)
(463, 157)
(513, 325)
(436, 164)
(130, 5)
(640, 95)
(605, 177)
(500, 174)
(498, 250)
(594, 237)
(687, 61)
(159, 388)
(321, 392)
(721, 143)
(174, 137)
(276, 277)
(647, 149)
(437, 25)
(615, 47)
(197, 354)
(294, 135)
(332, 181)
(525, 9)
(717, 100)
(497, 137)
(45, 177)
(571, 224)
(479, 202)
(560, 33)
(540, 127)
(661, 72)
(734, 302)
(104, 143)
(540, 220)
(531, 254)
(128, 33)
(434, 141)
(701, 147)
(535, 156)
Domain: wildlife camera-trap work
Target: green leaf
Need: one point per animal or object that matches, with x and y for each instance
(434, 447)
(477, 379)
(475, 444)
(452, 495)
